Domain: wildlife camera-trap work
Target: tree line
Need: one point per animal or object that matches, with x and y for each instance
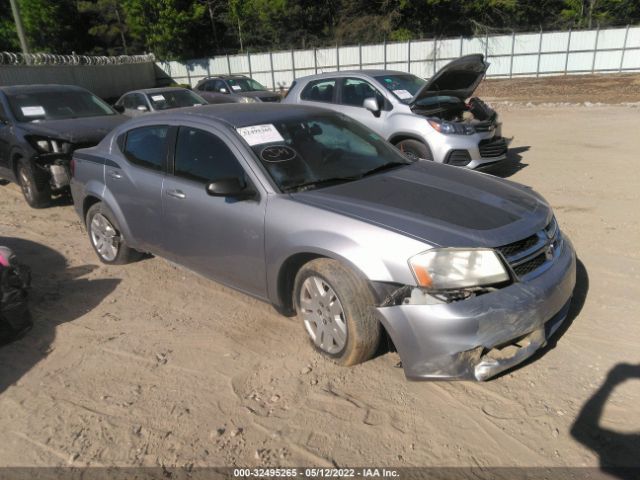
(183, 29)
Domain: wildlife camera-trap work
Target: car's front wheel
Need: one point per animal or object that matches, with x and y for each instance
(34, 184)
(415, 149)
(337, 308)
(106, 237)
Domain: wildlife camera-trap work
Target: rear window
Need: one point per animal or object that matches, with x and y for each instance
(319, 90)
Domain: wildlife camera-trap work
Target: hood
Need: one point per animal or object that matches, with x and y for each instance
(439, 204)
(458, 78)
(86, 130)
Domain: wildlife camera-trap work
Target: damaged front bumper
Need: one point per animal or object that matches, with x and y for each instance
(57, 166)
(480, 337)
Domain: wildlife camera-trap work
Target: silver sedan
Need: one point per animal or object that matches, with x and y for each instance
(316, 214)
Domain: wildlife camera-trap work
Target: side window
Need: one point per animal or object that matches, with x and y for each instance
(355, 91)
(139, 100)
(203, 157)
(145, 146)
(220, 86)
(319, 90)
(128, 103)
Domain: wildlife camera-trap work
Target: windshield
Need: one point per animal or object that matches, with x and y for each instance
(174, 99)
(404, 87)
(57, 105)
(245, 85)
(306, 153)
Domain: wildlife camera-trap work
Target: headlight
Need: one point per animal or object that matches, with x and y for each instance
(248, 100)
(454, 268)
(50, 145)
(450, 128)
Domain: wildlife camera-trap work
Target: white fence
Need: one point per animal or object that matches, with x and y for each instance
(610, 50)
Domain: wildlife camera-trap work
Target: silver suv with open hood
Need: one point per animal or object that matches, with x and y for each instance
(426, 119)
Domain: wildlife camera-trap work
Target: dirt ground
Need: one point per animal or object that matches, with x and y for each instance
(609, 89)
(148, 364)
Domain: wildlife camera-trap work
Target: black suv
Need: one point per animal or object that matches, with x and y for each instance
(40, 126)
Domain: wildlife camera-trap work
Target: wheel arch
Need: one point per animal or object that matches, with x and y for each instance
(292, 265)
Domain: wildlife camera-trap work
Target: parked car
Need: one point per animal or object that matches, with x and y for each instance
(40, 126)
(313, 212)
(234, 89)
(139, 102)
(424, 119)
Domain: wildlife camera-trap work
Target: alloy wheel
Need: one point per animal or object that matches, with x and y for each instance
(25, 183)
(323, 315)
(105, 237)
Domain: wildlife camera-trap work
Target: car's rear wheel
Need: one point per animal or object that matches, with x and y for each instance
(34, 184)
(106, 237)
(415, 149)
(337, 308)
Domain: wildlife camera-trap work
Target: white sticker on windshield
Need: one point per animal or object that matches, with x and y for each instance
(236, 87)
(402, 94)
(32, 111)
(258, 134)
(158, 98)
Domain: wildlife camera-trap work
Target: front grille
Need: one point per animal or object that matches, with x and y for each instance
(519, 246)
(492, 147)
(530, 265)
(459, 158)
(533, 253)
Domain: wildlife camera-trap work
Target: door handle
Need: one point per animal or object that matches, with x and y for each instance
(115, 174)
(176, 194)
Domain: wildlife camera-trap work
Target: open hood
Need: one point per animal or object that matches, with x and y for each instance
(458, 78)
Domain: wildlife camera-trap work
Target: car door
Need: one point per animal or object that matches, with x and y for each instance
(136, 183)
(352, 94)
(219, 237)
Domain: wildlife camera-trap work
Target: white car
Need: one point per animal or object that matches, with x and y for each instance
(425, 119)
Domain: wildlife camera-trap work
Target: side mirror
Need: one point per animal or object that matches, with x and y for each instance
(223, 90)
(118, 108)
(142, 108)
(371, 104)
(230, 187)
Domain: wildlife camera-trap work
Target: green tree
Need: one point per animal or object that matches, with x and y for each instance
(108, 27)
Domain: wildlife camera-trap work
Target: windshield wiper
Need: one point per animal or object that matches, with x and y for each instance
(320, 183)
(381, 168)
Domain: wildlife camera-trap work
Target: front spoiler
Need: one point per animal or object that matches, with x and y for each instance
(478, 338)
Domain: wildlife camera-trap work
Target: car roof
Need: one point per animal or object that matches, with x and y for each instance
(241, 114)
(344, 73)
(148, 91)
(223, 77)
(40, 88)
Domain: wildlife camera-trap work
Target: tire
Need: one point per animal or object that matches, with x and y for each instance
(415, 149)
(342, 322)
(34, 184)
(106, 238)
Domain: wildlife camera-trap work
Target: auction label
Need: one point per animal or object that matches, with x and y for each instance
(32, 111)
(157, 98)
(402, 94)
(258, 134)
